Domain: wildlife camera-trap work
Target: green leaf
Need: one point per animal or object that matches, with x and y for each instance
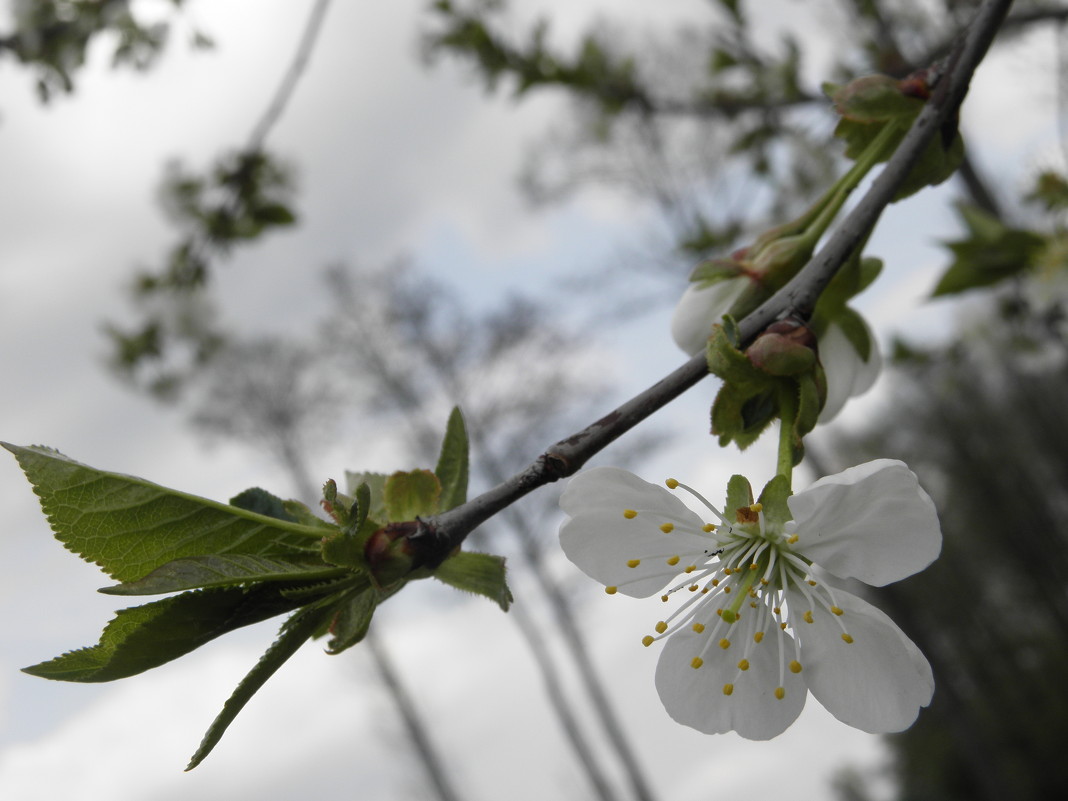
(295, 632)
(262, 502)
(130, 526)
(873, 98)
(352, 620)
(225, 570)
(411, 495)
(480, 573)
(377, 484)
(452, 469)
(144, 637)
(361, 506)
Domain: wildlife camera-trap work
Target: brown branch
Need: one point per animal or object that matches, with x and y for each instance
(441, 534)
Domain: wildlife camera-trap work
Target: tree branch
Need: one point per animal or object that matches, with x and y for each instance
(439, 535)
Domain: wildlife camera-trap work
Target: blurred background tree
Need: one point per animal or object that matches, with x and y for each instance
(725, 131)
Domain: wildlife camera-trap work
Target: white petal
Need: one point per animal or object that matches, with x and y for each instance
(601, 541)
(699, 309)
(847, 374)
(872, 522)
(876, 683)
(695, 698)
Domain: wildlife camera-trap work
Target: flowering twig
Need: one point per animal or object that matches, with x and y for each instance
(439, 535)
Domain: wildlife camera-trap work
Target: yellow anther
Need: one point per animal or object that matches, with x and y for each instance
(630, 514)
(667, 528)
(692, 588)
(743, 665)
(780, 692)
(756, 507)
(673, 560)
(752, 604)
(754, 566)
(611, 590)
(719, 612)
(660, 627)
(696, 662)
(764, 581)
(758, 636)
(811, 583)
(724, 643)
(848, 638)
(837, 610)
(726, 589)
(698, 627)
(647, 640)
(633, 562)
(715, 582)
(664, 598)
(795, 666)
(776, 610)
(792, 539)
(727, 571)
(671, 483)
(807, 616)
(728, 689)
(691, 568)
(782, 626)
(704, 590)
(708, 528)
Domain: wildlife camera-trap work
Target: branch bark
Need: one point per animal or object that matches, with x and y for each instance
(440, 535)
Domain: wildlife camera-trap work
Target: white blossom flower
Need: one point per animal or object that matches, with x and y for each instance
(755, 629)
(848, 374)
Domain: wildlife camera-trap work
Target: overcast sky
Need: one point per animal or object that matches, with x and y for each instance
(393, 159)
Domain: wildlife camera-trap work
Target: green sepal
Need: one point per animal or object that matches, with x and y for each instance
(713, 271)
(480, 573)
(352, 620)
(129, 526)
(411, 495)
(773, 500)
(453, 463)
(739, 495)
(225, 570)
(294, 633)
(144, 637)
(812, 394)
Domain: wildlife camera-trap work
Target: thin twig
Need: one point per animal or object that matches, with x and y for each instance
(285, 89)
(439, 535)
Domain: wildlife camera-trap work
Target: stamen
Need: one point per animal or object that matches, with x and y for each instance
(633, 562)
(630, 514)
(667, 528)
(611, 590)
(728, 689)
(696, 662)
(703, 500)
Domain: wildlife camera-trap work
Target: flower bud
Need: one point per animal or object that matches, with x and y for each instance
(787, 347)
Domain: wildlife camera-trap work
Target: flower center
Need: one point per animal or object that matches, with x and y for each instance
(738, 588)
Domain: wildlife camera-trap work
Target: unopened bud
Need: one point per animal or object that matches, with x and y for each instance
(787, 347)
